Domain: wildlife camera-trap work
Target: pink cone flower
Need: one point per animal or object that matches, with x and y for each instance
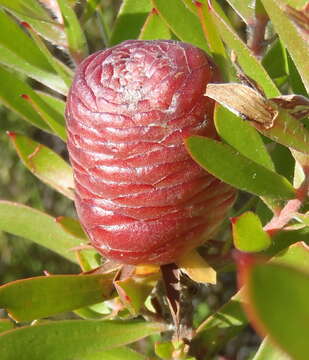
(139, 195)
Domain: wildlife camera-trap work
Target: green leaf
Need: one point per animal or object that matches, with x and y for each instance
(242, 136)
(278, 305)
(215, 43)
(267, 116)
(164, 350)
(290, 36)
(248, 62)
(182, 21)
(72, 226)
(34, 14)
(294, 78)
(248, 233)
(244, 8)
(45, 164)
(221, 326)
(6, 325)
(53, 118)
(235, 169)
(10, 97)
(76, 40)
(72, 339)
(24, 56)
(268, 351)
(43, 296)
(275, 60)
(60, 68)
(154, 28)
(130, 20)
(55, 103)
(295, 255)
(122, 353)
(133, 292)
(37, 226)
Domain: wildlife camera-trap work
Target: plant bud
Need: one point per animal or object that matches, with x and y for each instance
(139, 195)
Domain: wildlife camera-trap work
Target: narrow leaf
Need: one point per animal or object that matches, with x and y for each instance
(76, 40)
(182, 21)
(288, 304)
(23, 221)
(242, 136)
(43, 296)
(244, 8)
(72, 339)
(235, 169)
(51, 117)
(33, 13)
(24, 56)
(214, 41)
(248, 233)
(248, 62)
(60, 68)
(130, 20)
(154, 28)
(44, 163)
(10, 97)
(297, 46)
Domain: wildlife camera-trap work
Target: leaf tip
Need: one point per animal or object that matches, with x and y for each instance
(198, 4)
(11, 134)
(154, 11)
(25, 25)
(25, 97)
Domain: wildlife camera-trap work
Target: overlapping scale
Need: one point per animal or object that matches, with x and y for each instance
(139, 195)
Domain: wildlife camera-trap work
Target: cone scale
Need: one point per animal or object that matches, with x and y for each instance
(139, 195)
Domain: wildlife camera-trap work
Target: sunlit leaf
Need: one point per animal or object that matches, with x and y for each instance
(248, 233)
(242, 136)
(130, 20)
(37, 226)
(10, 96)
(154, 28)
(24, 56)
(72, 339)
(278, 295)
(182, 22)
(235, 169)
(45, 164)
(244, 8)
(43, 296)
(248, 62)
(214, 41)
(290, 36)
(267, 116)
(32, 12)
(76, 40)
